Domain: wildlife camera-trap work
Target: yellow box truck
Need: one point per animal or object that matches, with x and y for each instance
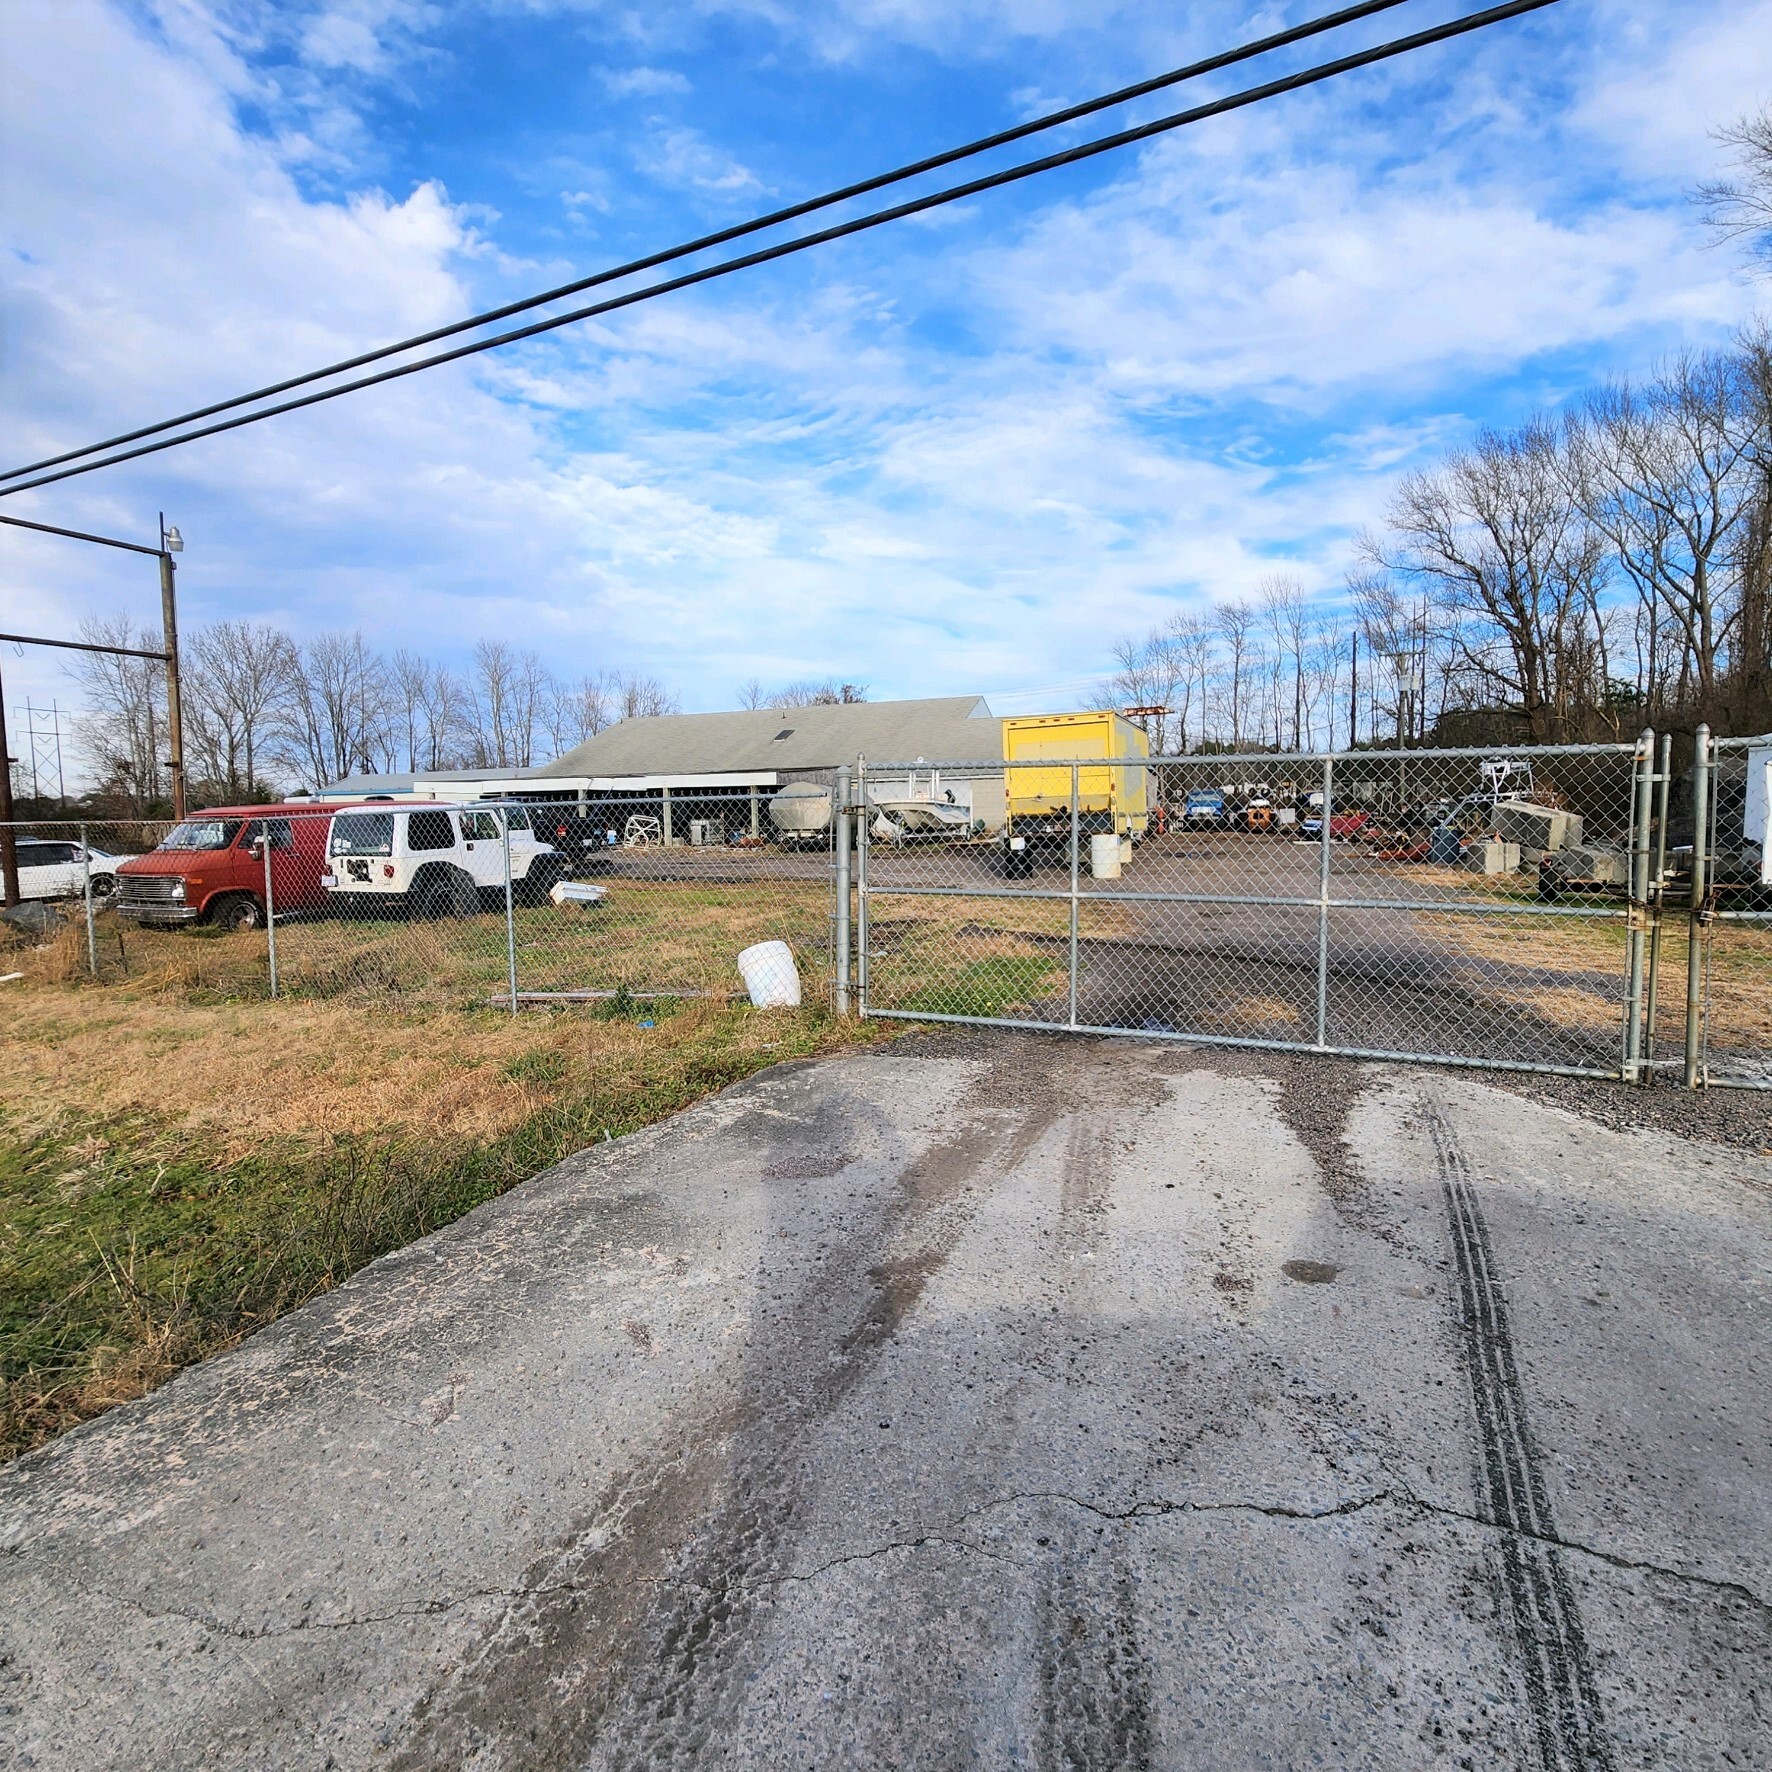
(1112, 794)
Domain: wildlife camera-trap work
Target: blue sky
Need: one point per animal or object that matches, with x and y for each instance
(963, 454)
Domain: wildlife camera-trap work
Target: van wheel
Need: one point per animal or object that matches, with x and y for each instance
(447, 892)
(238, 911)
(103, 885)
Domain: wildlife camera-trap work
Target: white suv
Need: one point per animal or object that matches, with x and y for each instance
(439, 861)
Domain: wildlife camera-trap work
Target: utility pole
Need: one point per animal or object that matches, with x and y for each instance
(8, 838)
(172, 542)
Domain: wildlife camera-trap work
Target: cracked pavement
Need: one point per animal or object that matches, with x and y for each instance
(983, 1401)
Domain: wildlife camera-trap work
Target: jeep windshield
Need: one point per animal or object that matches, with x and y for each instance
(202, 833)
(362, 833)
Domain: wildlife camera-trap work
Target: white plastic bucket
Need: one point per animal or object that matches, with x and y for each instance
(1104, 856)
(770, 975)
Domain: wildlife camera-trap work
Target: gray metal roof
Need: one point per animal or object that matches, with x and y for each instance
(403, 783)
(944, 729)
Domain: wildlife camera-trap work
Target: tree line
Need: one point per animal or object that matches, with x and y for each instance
(262, 710)
(1575, 579)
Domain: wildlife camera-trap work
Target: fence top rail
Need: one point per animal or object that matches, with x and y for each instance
(1264, 759)
(1761, 741)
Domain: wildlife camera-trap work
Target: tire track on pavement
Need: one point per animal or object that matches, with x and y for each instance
(1551, 1646)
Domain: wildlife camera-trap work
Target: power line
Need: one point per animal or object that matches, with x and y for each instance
(843, 230)
(724, 236)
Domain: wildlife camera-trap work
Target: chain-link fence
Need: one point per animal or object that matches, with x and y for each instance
(1473, 907)
(1735, 894)
(1536, 908)
(617, 900)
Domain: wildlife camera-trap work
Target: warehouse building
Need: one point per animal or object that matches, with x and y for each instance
(708, 777)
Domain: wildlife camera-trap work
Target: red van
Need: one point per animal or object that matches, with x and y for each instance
(210, 867)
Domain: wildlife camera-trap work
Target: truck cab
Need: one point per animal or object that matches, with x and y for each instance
(210, 867)
(1204, 809)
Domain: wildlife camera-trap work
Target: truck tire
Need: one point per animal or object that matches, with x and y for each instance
(535, 885)
(445, 892)
(238, 910)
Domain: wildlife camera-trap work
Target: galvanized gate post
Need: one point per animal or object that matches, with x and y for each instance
(86, 893)
(861, 888)
(841, 824)
(1075, 782)
(1323, 904)
(1695, 928)
(1657, 899)
(504, 821)
(270, 902)
(1637, 910)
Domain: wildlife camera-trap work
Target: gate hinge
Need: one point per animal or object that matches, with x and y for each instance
(1642, 916)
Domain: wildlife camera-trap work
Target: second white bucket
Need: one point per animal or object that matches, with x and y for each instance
(1104, 856)
(770, 975)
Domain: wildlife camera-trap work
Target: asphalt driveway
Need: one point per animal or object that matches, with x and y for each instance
(990, 1402)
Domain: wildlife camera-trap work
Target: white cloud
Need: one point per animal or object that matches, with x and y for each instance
(642, 82)
(937, 461)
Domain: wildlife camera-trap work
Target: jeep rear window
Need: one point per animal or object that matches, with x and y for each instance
(430, 830)
(202, 833)
(362, 833)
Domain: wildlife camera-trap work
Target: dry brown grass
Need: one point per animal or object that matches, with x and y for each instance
(248, 1071)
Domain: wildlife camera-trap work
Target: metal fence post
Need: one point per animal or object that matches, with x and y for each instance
(1657, 896)
(862, 837)
(86, 893)
(1701, 773)
(1323, 904)
(270, 902)
(842, 823)
(504, 821)
(1637, 910)
(1074, 891)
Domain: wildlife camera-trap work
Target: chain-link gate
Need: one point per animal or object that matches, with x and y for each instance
(1533, 908)
(1730, 872)
(1476, 907)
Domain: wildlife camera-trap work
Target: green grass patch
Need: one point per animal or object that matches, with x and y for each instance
(128, 1248)
(991, 987)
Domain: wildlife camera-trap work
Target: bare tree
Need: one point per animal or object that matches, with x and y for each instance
(237, 675)
(1497, 544)
(817, 692)
(1286, 612)
(1147, 678)
(511, 691)
(337, 719)
(751, 694)
(1741, 208)
(577, 711)
(1236, 628)
(636, 696)
(125, 725)
(1666, 474)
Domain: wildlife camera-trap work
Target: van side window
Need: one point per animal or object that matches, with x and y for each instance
(280, 834)
(430, 830)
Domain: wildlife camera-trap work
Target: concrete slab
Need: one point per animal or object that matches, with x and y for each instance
(1005, 1402)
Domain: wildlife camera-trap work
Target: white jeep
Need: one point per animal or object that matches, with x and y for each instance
(437, 860)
